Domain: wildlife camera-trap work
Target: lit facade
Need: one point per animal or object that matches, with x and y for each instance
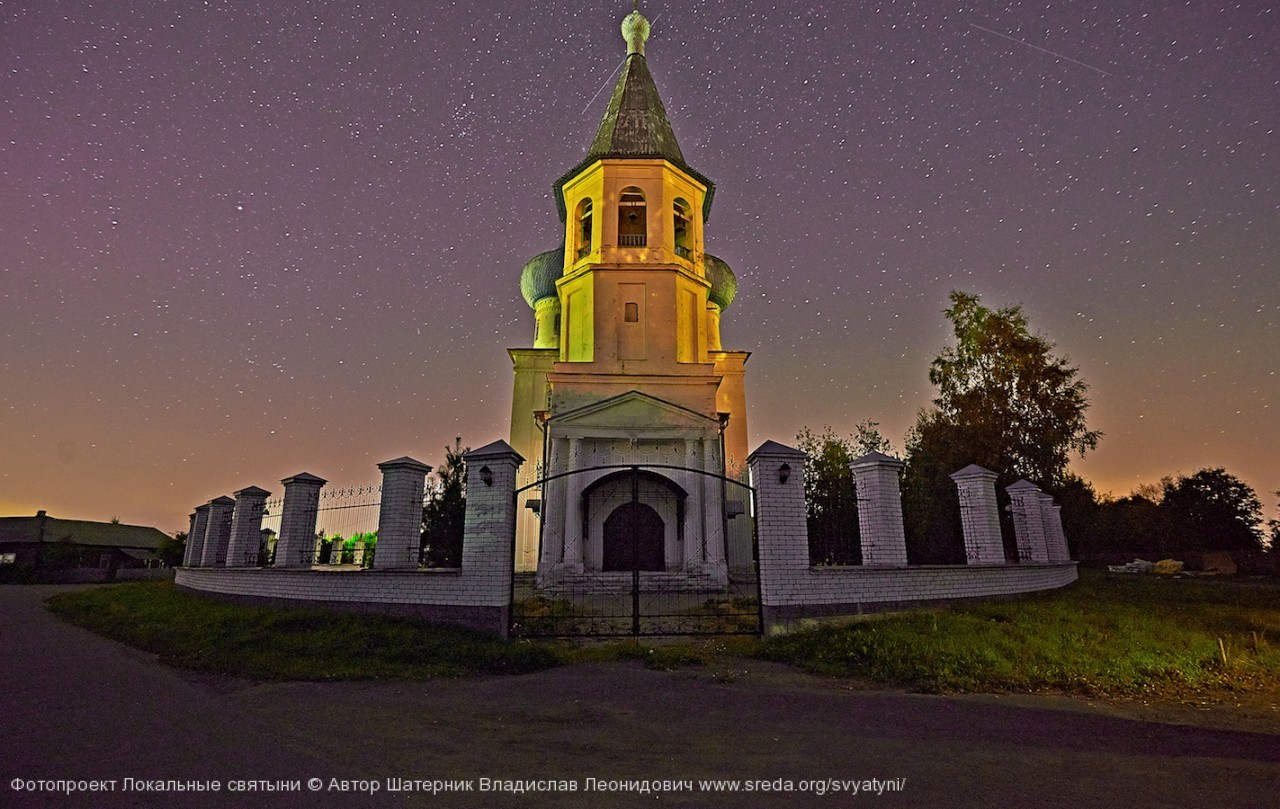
(627, 365)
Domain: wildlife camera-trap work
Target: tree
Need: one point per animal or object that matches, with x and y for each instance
(1134, 525)
(445, 510)
(1214, 511)
(172, 550)
(1005, 402)
(830, 497)
(1274, 530)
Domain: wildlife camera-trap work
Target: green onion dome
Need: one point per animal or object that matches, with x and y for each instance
(724, 284)
(539, 276)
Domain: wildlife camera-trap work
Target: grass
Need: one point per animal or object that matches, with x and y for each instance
(1106, 635)
(275, 644)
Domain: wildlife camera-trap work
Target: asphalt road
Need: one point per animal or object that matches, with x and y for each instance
(75, 707)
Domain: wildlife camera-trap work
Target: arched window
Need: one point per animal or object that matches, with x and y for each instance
(633, 224)
(583, 245)
(683, 229)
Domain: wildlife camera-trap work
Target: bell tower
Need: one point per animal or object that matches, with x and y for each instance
(631, 302)
(634, 290)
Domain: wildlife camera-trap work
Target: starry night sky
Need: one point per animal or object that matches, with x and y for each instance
(240, 240)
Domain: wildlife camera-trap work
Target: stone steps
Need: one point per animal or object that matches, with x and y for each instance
(620, 581)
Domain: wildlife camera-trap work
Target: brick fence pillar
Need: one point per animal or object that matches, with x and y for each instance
(246, 527)
(217, 532)
(1054, 538)
(297, 543)
(782, 530)
(1060, 533)
(979, 515)
(400, 517)
(884, 539)
(1028, 521)
(195, 537)
(489, 537)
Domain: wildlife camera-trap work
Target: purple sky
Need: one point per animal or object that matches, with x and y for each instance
(243, 240)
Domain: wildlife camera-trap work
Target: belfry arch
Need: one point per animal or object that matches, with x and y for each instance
(633, 218)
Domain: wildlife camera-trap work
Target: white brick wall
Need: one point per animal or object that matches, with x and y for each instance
(481, 587)
(858, 585)
(432, 586)
(790, 587)
(788, 584)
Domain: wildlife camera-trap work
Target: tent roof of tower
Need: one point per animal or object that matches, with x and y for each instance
(635, 125)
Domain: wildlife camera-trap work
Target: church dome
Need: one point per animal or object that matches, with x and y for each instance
(724, 284)
(539, 276)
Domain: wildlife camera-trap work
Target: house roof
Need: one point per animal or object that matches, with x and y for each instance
(80, 532)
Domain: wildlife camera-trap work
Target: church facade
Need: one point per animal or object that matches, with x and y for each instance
(630, 412)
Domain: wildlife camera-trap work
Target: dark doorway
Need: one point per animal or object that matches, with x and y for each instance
(634, 537)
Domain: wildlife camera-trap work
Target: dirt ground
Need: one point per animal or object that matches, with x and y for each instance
(76, 706)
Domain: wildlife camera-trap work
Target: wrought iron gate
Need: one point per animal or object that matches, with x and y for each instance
(655, 550)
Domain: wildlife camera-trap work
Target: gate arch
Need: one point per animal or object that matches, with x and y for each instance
(641, 571)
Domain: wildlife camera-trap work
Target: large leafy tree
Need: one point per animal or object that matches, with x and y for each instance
(445, 509)
(1213, 510)
(831, 501)
(1006, 402)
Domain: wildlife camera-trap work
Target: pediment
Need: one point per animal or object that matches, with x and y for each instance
(633, 413)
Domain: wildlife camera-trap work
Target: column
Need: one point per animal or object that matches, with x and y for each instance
(551, 555)
(297, 542)
(573, 539)
(884, 539)
(246, 527)
(713, 507)
(400, 518)
(782, 530)
(217, 532)
(1028, 523)
(695, 523)
(979, 515)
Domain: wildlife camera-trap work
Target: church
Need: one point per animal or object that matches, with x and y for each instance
(629, 411)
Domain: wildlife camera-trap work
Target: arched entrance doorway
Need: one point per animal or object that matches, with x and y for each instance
(634, 539)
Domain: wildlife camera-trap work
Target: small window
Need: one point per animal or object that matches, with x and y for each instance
(583, 244)
(632, 314)
(8, 558)
(683, 229)
(633, 223)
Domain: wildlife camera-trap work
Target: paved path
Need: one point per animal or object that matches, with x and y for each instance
(75, 706)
